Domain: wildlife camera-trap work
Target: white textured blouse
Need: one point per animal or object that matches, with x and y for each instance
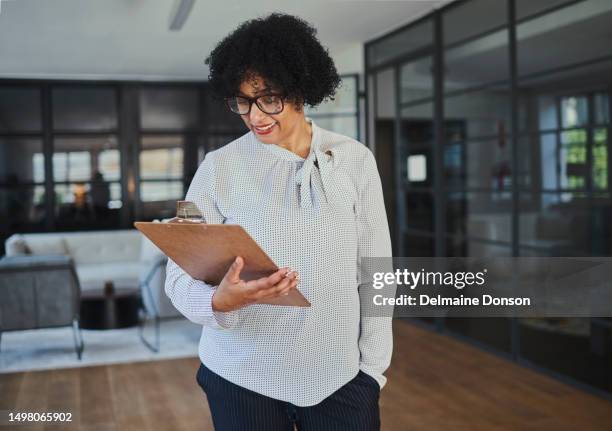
(318, 216)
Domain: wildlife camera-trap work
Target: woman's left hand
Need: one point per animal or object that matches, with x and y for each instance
(234, 293)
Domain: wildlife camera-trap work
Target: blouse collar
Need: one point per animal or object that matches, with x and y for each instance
(317, 158)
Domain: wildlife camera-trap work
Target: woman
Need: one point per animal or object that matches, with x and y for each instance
(313, 200)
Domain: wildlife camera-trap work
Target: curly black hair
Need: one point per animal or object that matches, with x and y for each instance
(284, 51)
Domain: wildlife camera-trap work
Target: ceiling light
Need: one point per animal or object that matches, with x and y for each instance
(180, 13)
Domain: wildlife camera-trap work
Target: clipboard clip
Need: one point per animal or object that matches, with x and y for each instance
(187, 212)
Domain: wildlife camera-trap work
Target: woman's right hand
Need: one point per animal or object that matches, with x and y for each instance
(234, 293)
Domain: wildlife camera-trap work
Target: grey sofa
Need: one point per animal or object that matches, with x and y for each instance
(39, 292)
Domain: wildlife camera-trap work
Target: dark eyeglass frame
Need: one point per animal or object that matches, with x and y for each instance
(255, 100)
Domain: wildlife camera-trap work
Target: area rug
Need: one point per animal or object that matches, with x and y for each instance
(54, 348)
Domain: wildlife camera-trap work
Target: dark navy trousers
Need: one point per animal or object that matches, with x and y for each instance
(353, 407)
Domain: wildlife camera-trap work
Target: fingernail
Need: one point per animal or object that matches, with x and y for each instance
(286, 293)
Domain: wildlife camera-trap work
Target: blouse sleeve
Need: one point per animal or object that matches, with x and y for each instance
(376, 338)
(191, 297)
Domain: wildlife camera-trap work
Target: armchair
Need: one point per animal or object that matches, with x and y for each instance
(40, 292)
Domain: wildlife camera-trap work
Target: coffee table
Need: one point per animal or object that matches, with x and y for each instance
(111, 308)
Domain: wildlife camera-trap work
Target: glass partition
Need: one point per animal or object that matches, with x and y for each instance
(452, 111)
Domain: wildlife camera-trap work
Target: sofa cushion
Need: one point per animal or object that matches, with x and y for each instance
(111, 246)
(124, 275)
(46, 244)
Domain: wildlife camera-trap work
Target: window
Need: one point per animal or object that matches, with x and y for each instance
(161, 174)
(169, 109)
(401, 43)
(73, 166)
(86, 177)
(22, 177)
(22, 168)
(68, 163)
(20, 109)
(172, 134)
(417, 168)
(340, 115)
(84, 108)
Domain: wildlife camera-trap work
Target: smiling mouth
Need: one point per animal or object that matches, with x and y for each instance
(264, 128)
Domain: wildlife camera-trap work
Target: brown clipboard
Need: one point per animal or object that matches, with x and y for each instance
(206, 251)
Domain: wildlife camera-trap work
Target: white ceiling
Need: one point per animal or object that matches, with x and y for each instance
(129, 39)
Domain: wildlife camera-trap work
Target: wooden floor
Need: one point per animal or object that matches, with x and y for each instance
(435, 383)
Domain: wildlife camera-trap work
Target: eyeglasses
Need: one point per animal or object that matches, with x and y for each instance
(267, 103)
